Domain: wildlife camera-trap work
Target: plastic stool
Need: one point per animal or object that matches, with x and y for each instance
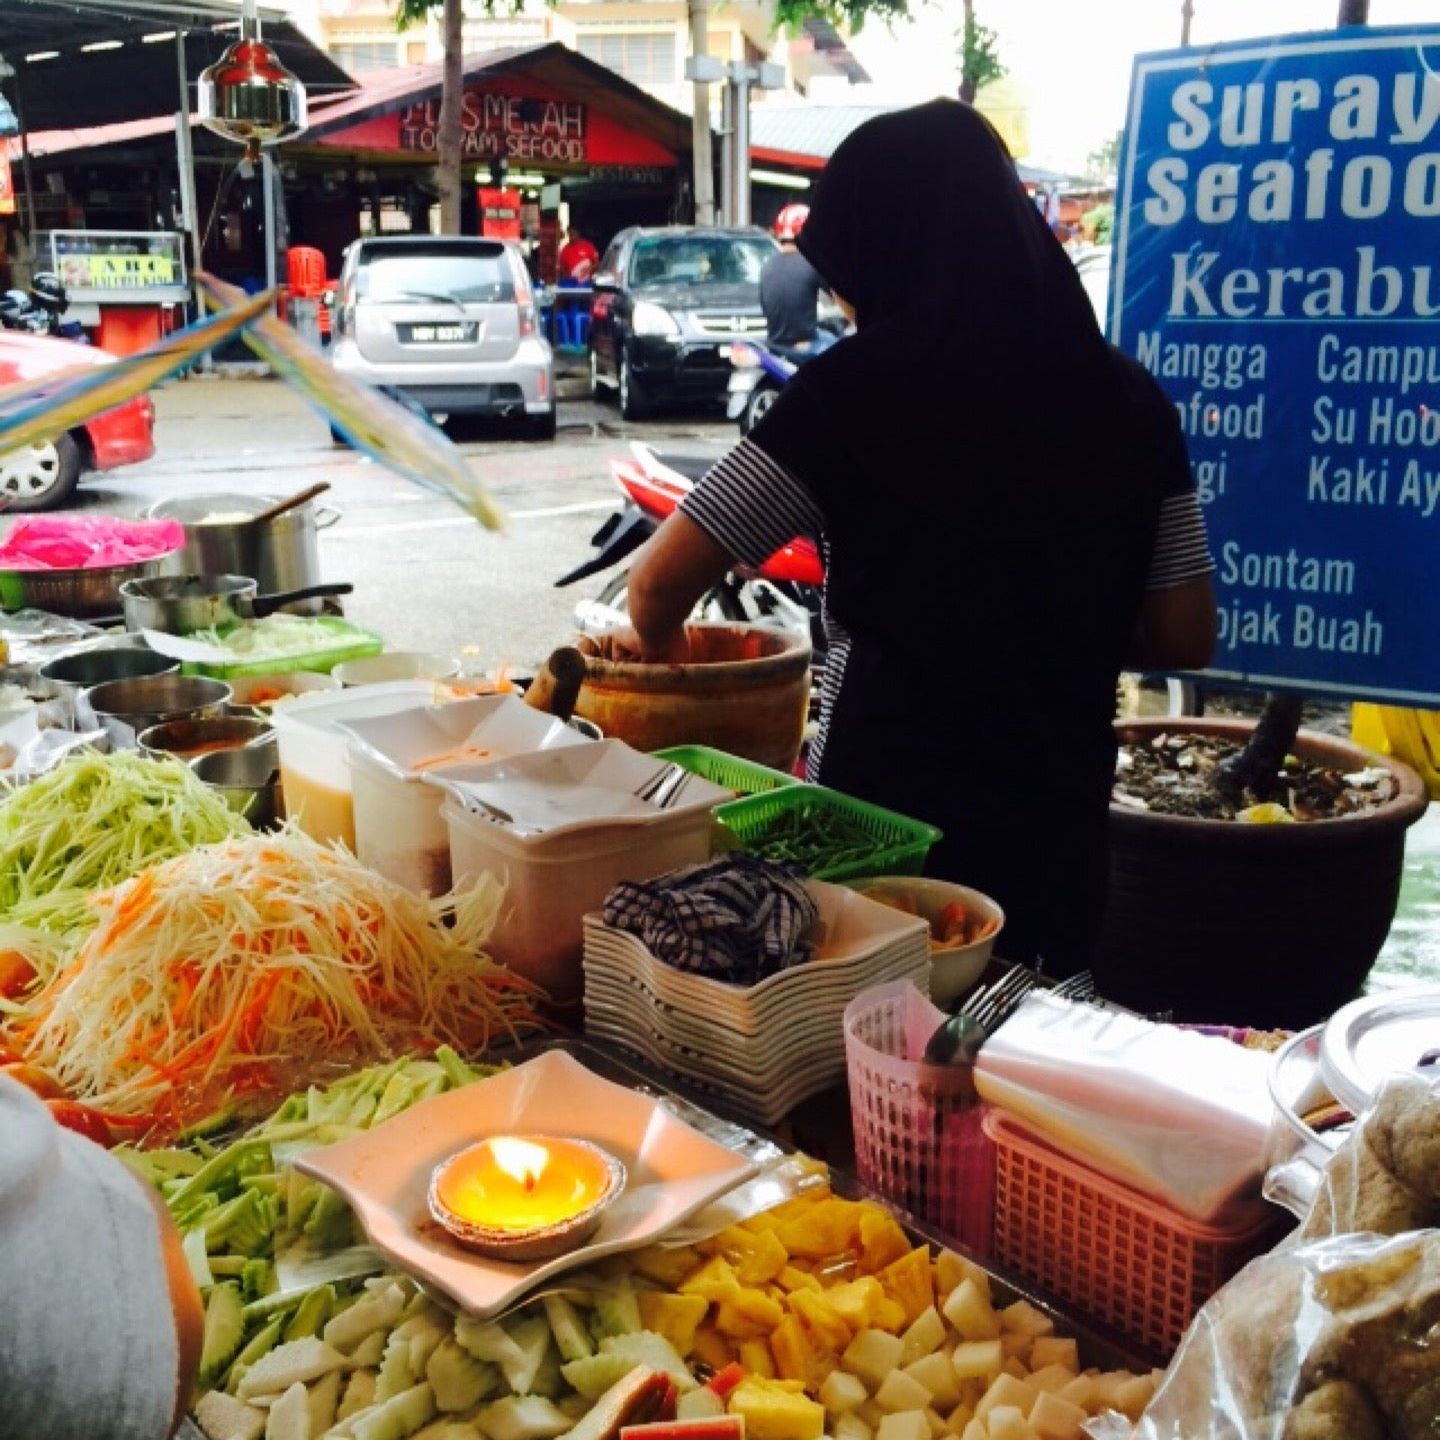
(580, 327)
(563, 325)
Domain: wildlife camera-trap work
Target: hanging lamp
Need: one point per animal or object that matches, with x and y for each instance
(248, 95)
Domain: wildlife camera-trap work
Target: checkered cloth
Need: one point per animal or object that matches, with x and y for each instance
(737, 919)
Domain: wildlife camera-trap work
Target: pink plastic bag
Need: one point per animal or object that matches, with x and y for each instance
(86, 542)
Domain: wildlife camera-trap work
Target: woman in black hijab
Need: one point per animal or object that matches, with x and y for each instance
(1007, 513)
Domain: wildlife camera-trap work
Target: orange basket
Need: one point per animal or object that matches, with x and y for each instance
(1123, 1258)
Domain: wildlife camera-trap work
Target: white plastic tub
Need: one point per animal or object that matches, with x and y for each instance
(552, 881)
(314, 768)
(398, 827)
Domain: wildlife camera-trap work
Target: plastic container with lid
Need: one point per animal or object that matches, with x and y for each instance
(398, 827)
(314, 767)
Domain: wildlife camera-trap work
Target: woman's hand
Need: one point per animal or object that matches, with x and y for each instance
(626, 645)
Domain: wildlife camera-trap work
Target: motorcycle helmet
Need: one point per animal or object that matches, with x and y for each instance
(13, 306)
(790, 222)
(48, 292)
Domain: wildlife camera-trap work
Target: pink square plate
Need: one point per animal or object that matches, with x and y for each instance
(671, 1172)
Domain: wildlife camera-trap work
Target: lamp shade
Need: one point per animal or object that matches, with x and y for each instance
(249, 96)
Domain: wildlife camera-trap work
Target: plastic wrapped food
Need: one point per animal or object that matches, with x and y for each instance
(1386, 1176)
(86, 542)
(1338, 1339)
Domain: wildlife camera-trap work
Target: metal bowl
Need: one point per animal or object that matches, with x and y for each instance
(123, 708)
(76, 594)
(248, 780)
(72, 676)
(190, 739)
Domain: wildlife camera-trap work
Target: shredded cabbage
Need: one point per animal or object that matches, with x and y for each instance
(92, 822)
(278, 637)
(210, 973)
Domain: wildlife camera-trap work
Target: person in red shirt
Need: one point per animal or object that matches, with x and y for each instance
(578, 258)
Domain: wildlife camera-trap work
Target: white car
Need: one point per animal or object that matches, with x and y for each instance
(1093, 267)
(451, 323)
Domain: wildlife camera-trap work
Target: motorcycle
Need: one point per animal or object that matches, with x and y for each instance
(41, 311)
(758, 376)
(785, 591)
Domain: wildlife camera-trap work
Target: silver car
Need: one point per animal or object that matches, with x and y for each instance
(451, 323)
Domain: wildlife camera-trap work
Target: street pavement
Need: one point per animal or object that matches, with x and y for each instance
(426, 576)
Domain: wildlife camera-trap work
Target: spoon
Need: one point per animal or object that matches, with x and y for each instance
(283, 507)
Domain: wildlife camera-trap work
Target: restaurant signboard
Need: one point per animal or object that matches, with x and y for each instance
(1277, 268)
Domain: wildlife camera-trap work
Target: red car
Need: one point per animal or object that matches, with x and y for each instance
(40, 477)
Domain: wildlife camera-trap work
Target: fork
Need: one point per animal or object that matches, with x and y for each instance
(662, 787)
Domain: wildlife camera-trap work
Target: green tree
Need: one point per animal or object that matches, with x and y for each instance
(980, 61)
(1104, 160)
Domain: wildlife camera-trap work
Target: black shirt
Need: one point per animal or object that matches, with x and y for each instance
(790, 295)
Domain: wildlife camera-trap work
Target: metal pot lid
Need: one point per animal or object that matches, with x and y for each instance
(196, 509)
(1375, 1037)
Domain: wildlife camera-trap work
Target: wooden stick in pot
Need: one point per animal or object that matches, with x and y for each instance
(556, 687)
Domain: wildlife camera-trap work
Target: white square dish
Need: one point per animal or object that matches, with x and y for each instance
(672, 1171)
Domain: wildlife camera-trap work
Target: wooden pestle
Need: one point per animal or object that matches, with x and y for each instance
(556, 686)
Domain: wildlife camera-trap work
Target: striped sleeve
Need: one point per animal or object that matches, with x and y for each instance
(1182, 552)
(750, 505)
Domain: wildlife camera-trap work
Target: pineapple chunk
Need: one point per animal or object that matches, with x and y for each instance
(792, 1279)
(975, 1430)
(937, 1375)
(712, 1348)
(667, 1267)
(714, 1280)
(969, 1312)
(871, 1414)
(1080, 1391)
(1024, 1319)
(904, 1425)
(899, 1391)
(829, 1228)
(852, 1427)
(762, 1259)
(1131, 1397)
(872, 1355)
(857, 1302)
(1050, 1379)
(676, 1317)
(936, 1422)
(1015, 1366)
(959, 1418)
(821, 1320)
(882, 1241)
(977, 1359)
(1007, 1422)
(907, 1281)
(1052, 1418)
(889, 1315)
(842, 1392)
(773, 1412)
(924, 1337)
(748, 1315)
(794, 1355)
(1048, 1350)
(1006, 1390)
(1017, 1345)
(755, 1357)
(951, 1269)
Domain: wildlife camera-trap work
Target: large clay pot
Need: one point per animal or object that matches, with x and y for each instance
(749, 694)
(1267, 925)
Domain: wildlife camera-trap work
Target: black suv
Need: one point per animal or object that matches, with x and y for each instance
(668, 303)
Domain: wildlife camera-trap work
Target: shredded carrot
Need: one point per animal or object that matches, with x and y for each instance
(207, 970)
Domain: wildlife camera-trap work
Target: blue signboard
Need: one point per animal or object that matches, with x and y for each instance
(1277, 268)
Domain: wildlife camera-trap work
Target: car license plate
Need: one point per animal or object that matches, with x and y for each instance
(456, 334)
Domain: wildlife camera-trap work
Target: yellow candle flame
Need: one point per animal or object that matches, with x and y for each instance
(521, 1160)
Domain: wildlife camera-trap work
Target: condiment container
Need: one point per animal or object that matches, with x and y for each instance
(398, 827)
(191, 738)
(397, 665)
(247, 780)
(72, 675)
(124, 708)
(314, 768)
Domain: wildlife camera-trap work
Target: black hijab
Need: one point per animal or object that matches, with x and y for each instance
(919, 220)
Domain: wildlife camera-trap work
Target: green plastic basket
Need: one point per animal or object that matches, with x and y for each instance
(744, 777)
(901, 844)
(342, 641)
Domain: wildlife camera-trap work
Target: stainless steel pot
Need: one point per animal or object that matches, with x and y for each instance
(123, 708)
(74, 675)
(281, 554)
(183, 604)
(248, 780)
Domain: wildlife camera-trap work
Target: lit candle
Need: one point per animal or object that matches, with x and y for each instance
(524, 1197)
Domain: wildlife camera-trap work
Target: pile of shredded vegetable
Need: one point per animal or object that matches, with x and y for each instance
(210, 976)
(92, 822)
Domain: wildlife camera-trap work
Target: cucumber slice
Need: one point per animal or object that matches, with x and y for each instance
(594, 1376)
(224, 1325)
(571, 1338)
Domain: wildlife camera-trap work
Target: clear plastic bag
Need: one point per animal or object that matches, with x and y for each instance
(1385, 1178)
(1337, 1339)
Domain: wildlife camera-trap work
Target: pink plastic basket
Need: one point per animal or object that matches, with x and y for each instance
(918, 1138)
(1123, 1258)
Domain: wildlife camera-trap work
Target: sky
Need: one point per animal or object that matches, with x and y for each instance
(1072, 59)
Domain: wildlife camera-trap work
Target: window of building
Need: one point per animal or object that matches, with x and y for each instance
(360, 55)
(645, 57)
